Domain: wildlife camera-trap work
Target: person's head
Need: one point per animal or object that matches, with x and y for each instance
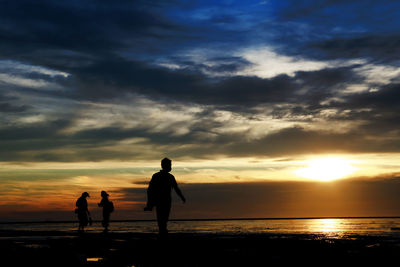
(166, 164)
(85, 194)
(104, 194)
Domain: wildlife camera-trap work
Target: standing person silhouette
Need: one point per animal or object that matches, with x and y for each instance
(83, 211)
(108, 207)
(159, 195)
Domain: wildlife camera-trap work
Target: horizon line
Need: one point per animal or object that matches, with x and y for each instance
(212, 219)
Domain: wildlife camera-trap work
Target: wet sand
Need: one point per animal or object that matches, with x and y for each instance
(27, 248)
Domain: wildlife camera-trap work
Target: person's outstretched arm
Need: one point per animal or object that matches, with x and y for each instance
(178, 191)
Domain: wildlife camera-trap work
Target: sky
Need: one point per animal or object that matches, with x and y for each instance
(266, 108)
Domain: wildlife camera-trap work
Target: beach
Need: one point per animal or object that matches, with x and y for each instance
(66, 248)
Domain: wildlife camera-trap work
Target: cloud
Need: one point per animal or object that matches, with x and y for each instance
(267, 64)
(47, 141)
(91, 25)
(115, 77)
(137, 127)
(330, 30)
(7, 105)
(95, 81)
(338, 16)
(378, 48)
(207, 63)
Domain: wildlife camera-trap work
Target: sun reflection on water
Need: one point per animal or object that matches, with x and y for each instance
(329, 227)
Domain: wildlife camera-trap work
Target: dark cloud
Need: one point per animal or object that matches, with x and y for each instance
(386, 98)
(372, 47)
(339, 30)
(377, 48)
(376, 109)
(34, 131)
(114, 77)
(342, 17)
(78, 26)
(8, 107)
(72, 33)
(144, 182)
(296, 140)
(220, 66)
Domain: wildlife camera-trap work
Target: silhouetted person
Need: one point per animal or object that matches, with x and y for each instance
(108, 207)
(159, 195)
(83, 211)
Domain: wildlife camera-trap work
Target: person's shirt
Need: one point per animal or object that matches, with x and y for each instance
(105, 203)
(160, 186)
(82, 204)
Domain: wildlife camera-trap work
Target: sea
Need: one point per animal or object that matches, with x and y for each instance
(327, 227)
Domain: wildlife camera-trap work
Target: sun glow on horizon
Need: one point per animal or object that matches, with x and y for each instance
(326, 169)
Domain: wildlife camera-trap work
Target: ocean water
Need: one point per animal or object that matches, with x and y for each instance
(333, 228)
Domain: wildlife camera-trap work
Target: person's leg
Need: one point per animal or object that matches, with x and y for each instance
(83, 220)
(163, 212)
(80, 218)
(106, 220)
(81, 227)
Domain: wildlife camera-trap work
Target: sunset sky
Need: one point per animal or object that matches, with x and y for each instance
(273, 108)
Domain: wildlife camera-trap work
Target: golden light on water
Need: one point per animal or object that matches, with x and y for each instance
(326, 226)
(326, 169)
(329, 225)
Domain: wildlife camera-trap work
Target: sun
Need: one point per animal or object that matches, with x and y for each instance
(326, 169)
